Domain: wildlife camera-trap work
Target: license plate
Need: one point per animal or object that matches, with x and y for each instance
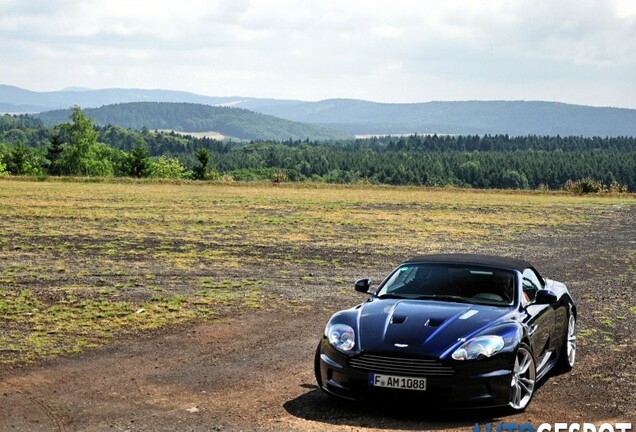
(397, 382)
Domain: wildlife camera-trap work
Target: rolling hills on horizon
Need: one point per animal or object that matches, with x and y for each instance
(189, 117)
(361, 117)
(462, 117)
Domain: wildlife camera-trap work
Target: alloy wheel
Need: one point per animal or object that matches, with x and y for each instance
(571, 343)
(523, 380)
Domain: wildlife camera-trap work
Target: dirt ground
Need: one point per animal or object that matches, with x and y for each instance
(254, 371)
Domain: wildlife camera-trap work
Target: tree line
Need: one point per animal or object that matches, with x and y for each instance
(79, 148)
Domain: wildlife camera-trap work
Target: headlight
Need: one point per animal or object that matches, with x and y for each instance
(341, 336)
(480, 346)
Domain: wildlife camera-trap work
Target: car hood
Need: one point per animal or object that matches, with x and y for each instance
(423, 327)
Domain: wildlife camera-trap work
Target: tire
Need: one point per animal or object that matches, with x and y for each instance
(317, 366)
(524, 379)
(567, 356)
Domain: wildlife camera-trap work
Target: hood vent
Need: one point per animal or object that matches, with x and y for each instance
(433, 322)
(398, 319)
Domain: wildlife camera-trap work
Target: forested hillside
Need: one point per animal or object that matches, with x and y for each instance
(232, 122)
(460, 117)
(27, 146)
(364, 117)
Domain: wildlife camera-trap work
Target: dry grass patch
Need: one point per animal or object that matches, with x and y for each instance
(83, 262)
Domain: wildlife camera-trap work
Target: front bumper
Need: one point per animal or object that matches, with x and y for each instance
(477, 383)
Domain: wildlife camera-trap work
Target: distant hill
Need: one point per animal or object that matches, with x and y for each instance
(470, 117)
(88, 98)
(363, 117)
(187, 117)
(19, 109)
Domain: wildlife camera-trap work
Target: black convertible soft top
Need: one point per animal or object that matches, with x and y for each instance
(474, 259)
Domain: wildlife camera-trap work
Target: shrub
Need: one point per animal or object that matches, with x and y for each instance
(168, 167)
(616, 187)
(583, 186)
(279, 176)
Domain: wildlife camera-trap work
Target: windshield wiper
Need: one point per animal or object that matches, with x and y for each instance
(392, 296)
(445, 297)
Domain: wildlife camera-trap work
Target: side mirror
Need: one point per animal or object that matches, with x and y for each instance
(545, 297)
(363, 285)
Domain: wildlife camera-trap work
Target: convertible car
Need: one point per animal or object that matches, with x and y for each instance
(453, 330)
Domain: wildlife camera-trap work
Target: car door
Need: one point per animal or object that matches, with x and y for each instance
(539, 318)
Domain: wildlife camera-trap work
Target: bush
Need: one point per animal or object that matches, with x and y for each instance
(168, 167)
(583, 186)
(252, 174)
(616, 187)
(279, 176)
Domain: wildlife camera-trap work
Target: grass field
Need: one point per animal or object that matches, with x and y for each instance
(81, 263)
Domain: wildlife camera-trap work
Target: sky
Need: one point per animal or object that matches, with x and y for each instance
(573, 51)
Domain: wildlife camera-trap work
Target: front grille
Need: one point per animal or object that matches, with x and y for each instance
(400, 365)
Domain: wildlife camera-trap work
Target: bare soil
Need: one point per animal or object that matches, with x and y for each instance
(254, 371)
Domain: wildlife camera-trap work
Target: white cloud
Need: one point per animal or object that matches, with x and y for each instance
(387, 31)
(581, 51)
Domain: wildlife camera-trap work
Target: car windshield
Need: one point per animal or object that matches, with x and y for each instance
(451, 282)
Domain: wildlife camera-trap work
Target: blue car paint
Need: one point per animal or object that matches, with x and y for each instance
(434, 329)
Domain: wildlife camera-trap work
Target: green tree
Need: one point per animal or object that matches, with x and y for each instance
(81, 153)
(23, 160)
(200, 172)
(138, 161)
(168, 167)
(513, 179)
(15, 136)
(17, 159)
(54, 153)
(470, 173)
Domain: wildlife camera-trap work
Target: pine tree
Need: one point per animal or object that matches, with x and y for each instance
(201, 171)
(139, 161)
(53, 153)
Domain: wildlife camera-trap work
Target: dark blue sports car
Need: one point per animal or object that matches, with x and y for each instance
(453, 330)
